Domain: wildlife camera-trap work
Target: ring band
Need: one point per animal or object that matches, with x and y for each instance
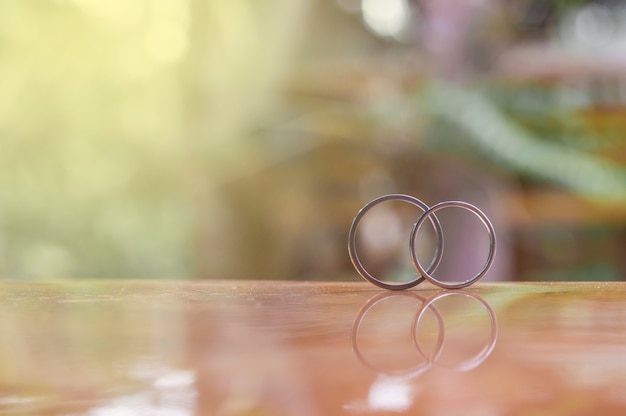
(430, 211)
(354, 257)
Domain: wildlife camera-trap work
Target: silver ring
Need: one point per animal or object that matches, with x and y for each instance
(354, 257)
(430, 211)
(409, 373)
(483, 354)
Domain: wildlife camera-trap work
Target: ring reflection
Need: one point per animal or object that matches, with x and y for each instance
(454, 309)
(396, 297)
(487, 348)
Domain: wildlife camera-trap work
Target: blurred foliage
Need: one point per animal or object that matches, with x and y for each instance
(118, 119)
(503, 140)
(91, 150)
(203, 138)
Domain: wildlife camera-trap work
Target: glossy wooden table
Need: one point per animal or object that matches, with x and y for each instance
(276, 348)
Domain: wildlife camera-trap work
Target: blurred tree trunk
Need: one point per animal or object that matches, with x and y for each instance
(238, 57)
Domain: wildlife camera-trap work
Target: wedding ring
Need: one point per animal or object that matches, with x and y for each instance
(356, 261)
(426, 273)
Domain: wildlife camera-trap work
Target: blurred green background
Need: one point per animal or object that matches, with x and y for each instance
(237, 139)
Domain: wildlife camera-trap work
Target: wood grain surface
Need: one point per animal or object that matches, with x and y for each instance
(311, 348)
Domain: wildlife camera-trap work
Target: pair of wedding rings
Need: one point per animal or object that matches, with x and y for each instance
(422, 273)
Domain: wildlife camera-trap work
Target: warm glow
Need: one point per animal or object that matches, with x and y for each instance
(386, 17)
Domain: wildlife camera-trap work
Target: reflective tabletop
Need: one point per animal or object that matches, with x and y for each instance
(311, 348)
